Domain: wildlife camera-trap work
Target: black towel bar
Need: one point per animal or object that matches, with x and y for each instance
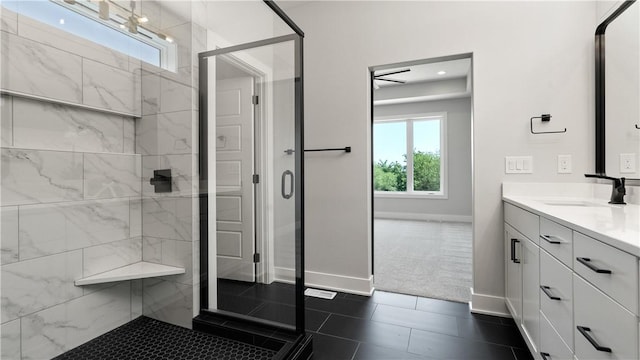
(345, 149)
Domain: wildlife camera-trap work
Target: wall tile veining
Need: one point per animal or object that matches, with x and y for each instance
(72, 188)
(75, 194)
(166, 136)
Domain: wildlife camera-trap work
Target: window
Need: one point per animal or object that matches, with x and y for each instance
(82, 19)
(409, 156)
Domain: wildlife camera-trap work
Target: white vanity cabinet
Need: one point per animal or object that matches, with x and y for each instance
(586, 298)
(523, 270)
(513, 272)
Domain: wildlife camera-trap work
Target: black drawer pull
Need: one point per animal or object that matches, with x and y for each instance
(584, 331)
(545, 356)
(513, 250)
(548, 238)
(587, 262)
(545, 290)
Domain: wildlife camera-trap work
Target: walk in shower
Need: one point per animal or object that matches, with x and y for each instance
(151, 166)
(251, 167)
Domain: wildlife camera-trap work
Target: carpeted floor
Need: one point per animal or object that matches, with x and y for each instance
(424, 258)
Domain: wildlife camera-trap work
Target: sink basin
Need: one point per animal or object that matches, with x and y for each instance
(572, 203)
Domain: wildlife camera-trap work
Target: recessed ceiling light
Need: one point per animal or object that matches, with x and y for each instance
(441, 72)
(143, 19)
(61, 21)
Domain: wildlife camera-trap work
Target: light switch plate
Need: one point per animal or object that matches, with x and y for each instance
(518, 165)
(564, 164)
(627, 163)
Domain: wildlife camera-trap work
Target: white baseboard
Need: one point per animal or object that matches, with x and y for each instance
(285, 275)
(422, 217)
(346, 284)
(488, 305)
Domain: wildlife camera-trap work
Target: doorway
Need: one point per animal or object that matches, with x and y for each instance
(236, 153)
(421, 130)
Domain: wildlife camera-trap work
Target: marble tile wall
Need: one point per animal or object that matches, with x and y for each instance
(62, 327)
(26, 62)
(166, 137)
(78, 71)
(71, 189)
(66, 128)
(6, 121)
(75, 198)
(71, 208)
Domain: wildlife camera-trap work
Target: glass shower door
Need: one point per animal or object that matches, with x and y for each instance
(252, 119)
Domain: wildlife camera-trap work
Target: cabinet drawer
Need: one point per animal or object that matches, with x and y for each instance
(607, 324)
(525, 222)
(622, 281)
(557, 240)
(556, 299)
(551, 345)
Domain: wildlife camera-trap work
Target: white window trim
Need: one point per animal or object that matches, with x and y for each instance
(409, 118)
(167, 50)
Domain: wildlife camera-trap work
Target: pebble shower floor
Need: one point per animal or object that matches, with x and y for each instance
(145, 338)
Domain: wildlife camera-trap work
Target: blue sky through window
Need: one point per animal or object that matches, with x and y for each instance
(390, 143)
(62, 18)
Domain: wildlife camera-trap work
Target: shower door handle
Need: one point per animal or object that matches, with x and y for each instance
(282, 188)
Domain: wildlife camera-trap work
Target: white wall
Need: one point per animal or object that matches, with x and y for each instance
(457, 205)
(529, 58)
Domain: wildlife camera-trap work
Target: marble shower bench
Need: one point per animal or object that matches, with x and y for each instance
(138, 270)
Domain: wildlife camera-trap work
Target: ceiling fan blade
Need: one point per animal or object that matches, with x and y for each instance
(395, 81)
(393, 72)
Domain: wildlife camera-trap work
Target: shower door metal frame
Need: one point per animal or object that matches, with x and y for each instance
(297, 38)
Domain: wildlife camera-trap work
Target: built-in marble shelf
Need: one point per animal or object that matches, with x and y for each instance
(139, 270)
(68, 103)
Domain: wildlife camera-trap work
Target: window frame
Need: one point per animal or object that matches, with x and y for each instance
(409, 119)
(167, 50)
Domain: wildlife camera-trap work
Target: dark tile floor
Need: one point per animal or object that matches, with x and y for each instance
(395, 326)
(149, 339)
(385, 326)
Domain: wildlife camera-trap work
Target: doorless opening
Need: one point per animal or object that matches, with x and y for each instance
(421, 136)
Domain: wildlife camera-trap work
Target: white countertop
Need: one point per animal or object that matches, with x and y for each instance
(616, 225)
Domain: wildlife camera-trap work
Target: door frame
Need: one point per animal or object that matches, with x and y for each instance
(263, 191)
(372, 70)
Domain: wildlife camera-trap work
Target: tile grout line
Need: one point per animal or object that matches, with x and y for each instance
(78, 151)
(355, 352)
(515, 357)
(324, 322)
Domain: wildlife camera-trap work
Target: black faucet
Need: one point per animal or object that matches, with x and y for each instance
(617, 192)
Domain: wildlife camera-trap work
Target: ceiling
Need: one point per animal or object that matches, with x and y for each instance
(427, 72)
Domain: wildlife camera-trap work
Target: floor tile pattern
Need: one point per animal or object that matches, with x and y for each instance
(145, 338)
(385, 326)
(390, 326)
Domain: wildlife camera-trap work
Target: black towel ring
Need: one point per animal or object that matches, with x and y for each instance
(545, 118)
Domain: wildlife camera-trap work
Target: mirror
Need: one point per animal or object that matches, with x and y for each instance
(618, 93)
